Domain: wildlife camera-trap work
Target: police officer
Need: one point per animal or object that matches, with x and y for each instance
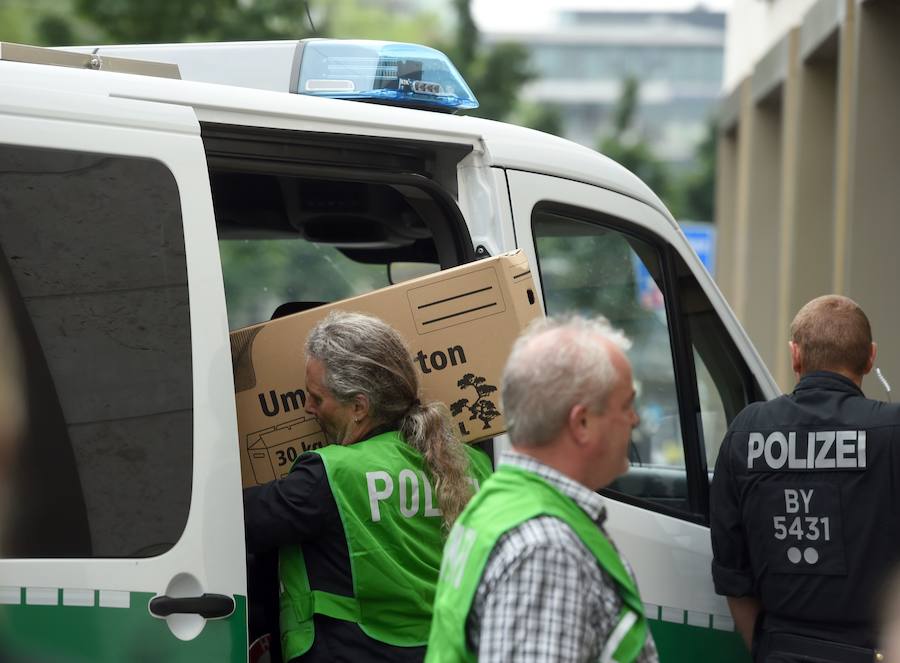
(360, 524)
(804, 502)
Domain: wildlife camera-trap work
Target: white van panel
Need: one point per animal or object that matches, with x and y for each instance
(211, 547)
(34, 102)
(484, 202)
(671, 558)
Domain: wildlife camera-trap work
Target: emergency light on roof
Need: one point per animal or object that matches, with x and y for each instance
(382, 72)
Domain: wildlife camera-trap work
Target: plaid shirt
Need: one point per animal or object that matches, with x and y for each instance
(543, 596)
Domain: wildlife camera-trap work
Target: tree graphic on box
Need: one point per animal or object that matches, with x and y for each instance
(481, 408)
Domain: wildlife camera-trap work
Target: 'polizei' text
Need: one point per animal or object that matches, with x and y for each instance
(816, 450)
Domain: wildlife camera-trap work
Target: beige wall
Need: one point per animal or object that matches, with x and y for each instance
(726, 201)
(752, 28)
(813, 177)
(788, 240)
(813, 160)
(872, 250)
(760, 277)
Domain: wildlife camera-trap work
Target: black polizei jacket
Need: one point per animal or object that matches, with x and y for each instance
(805, 508)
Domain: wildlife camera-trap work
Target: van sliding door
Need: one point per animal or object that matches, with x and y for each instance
(125, 534)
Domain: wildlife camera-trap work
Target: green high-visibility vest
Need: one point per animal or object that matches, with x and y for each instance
(507, 499)
(392, 523)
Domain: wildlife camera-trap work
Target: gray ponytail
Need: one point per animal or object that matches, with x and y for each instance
(363, 355)
(427, 429)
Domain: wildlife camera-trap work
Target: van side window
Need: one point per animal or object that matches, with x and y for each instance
(592, 264)
(262, 274)
(594, 270)
(306, 219)
(92, 261)
(724, 383)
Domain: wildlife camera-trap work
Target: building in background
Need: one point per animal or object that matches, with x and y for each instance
(808, 174)
(583, 55)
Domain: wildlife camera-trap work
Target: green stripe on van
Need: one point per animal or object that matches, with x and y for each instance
(76, 634)
(95, 634)
(680, 643)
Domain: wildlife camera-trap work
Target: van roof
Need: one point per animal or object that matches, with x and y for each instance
(501, 144)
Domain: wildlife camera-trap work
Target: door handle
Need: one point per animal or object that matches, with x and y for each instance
(208, 606)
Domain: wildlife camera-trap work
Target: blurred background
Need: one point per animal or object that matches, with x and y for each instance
(636, 79)
(807, 195)
(768, 127)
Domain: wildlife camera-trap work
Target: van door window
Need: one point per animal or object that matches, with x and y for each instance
(93, 267)
(713, 419)
(309, 245)
(591, 269)
(590, 263)
(724, 383)
(306, 219)
(262, 275)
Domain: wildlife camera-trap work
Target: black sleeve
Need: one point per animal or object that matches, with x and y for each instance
(288, 510)
(731, 570)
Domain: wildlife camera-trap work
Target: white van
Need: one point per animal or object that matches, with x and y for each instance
(142, 217)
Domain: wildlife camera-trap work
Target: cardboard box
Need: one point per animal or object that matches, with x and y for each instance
(459, 325)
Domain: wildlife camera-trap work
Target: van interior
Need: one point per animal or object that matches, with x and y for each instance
(334, 217)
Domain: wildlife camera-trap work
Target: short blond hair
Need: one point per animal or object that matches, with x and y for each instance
(833, 333)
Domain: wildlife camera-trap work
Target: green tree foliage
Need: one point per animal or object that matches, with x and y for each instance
(495, 73)
(44, 23)
(496, 77)
(464, 49)
(15, 25)
(261, 274)
(358, 19)
(640, 160)
(139, 21)
(698, 188)
(688, 196)
(71, 22)
(626, 108)
(55, 29)
(626, 145)
(538, 116)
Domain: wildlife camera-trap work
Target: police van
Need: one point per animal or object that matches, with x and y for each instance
(152, 198)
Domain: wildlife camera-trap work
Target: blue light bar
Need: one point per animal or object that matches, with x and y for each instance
(382, 72)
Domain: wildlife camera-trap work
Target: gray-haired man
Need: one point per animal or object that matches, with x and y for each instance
(528, 572)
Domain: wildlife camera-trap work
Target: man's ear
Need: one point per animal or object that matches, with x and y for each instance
(360, 407)
(873, 352)
(796, 359)
(577, 423)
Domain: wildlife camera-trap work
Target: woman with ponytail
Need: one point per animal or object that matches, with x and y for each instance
(360, 524)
